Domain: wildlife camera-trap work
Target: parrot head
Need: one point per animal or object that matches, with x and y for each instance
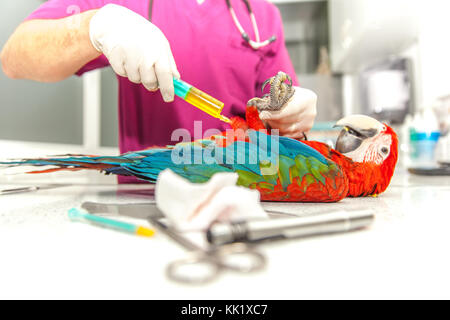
(366, 140)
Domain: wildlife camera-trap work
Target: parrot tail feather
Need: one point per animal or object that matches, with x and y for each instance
(71, 163)
(53, 170)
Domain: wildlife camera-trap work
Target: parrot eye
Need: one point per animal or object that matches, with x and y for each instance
(384, 151)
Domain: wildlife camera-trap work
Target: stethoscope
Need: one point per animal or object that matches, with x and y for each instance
(254, 44)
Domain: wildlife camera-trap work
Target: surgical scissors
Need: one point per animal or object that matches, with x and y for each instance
(237, 257)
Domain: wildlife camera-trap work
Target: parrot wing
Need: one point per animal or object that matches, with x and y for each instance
(302, 175)
(280, 168)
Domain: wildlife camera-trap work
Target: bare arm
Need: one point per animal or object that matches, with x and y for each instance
(49, 50)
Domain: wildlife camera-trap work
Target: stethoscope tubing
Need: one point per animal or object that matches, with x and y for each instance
(257, 44)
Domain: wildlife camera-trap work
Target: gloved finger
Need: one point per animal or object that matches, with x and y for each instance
(297, 135)
(303, 102)
(295, 131)
(303, 125)
(148, 77)
(119, 69)
(133, 73)
(117, 60)
(175, 72)
(291, 117)
(306, 123)
(292, 129)
(281, 128)
(284, 115)
(275, 116)
(165, 78)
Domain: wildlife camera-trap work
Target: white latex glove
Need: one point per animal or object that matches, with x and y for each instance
(135, 48)
(296, 117)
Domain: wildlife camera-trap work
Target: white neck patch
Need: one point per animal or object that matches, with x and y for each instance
(369, 151)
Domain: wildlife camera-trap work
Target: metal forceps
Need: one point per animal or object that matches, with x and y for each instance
(237, 257)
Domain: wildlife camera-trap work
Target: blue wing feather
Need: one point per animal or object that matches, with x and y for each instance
(240, 156)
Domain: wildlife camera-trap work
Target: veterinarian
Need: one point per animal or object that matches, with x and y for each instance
(226, 48)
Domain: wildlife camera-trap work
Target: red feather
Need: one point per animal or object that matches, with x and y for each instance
(364, 178)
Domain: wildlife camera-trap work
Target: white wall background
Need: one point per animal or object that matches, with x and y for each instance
(364, 32)
(70, 115)
(31, 111)
(433, 49)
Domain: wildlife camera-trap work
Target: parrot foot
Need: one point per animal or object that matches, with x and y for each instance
(259, 103)
(280, 93)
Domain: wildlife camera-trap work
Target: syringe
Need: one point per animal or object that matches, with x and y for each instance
(199, 99)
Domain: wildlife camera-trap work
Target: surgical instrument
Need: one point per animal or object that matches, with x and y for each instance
(238, 257)
(144, 209)
(133, 210)
(18, 190)
(259, 230)
(30, 189)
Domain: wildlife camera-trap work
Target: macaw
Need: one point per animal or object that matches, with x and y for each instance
(280, 168)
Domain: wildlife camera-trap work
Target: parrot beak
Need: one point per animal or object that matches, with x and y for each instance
(356, 128)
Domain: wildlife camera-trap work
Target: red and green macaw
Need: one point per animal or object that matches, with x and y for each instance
(280, 168)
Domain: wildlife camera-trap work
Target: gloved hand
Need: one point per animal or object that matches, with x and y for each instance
(135, 48)
(296, 117)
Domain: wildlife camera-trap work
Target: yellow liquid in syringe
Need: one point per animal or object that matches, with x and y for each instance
(206, 103)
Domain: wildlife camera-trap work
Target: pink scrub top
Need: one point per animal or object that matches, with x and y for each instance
(210, 55)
